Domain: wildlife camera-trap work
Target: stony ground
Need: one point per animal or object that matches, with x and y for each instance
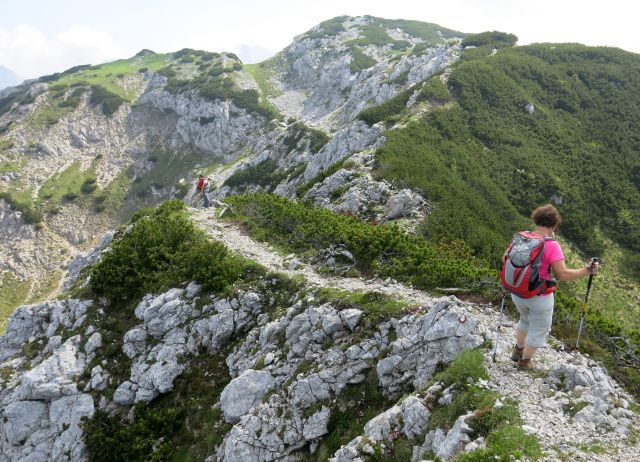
(592, 434)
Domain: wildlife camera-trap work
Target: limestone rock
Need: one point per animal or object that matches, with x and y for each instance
(243, 393)
(403, 204)
(424, 342)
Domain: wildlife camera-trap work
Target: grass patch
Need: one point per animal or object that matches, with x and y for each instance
(6, 144)
(501, 426)
(376, 306)
(106, 75)
(46, 287)
(469, 364)
(573, 407)
(67, 184)
(261, 73)
(21, 201)
(110, 199)
(10, 166)
(13, 292)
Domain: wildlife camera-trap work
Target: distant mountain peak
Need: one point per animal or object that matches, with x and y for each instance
(8, 78)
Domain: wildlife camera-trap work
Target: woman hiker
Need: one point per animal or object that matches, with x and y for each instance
(536, 312)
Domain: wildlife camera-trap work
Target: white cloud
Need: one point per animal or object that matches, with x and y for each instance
(31, 53)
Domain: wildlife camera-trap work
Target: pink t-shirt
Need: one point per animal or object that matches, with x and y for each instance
(552, 253)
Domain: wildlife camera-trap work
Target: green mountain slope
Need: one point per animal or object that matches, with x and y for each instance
(488, 155)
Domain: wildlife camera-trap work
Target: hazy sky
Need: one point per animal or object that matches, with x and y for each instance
(43, 36)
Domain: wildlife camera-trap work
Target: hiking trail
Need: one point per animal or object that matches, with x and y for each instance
(545, 409)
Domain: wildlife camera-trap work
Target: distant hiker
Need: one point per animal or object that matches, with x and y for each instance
(526, 274)
(206, 191)
(200, 184)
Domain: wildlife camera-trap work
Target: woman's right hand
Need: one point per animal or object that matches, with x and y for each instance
(592, 267)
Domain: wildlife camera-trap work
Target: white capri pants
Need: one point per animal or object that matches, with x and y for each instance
(535, 317)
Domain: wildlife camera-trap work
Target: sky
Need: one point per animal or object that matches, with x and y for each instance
(39, 37)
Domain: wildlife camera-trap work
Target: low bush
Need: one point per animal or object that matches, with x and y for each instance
(89, 186)
(360, 61)
(298, 131)
(163, 248)
(384, 111)
(493, 38)
(29, 215)
(20, 98)
(108, 439)
(107, 100)
(385, 250)
(434, 90)
(264, 174)
(330, 28)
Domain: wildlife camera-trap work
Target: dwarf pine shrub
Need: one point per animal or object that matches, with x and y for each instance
(162, 247)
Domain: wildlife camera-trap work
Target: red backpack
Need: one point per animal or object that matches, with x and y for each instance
(520, 272)
(200, 185)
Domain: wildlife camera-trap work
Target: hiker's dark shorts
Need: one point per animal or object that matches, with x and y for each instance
(535, 317)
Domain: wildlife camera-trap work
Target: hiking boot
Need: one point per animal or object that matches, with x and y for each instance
(516, 355)
(525, 364)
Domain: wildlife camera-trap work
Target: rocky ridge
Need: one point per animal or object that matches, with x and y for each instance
(289, 371)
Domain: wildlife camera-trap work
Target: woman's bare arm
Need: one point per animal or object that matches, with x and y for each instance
(566, 274)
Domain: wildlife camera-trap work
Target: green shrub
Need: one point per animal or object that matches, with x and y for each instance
(434, 90)
(148, 437)
(428, 32)
(107, 100)
(298, 130)
(167, 72)
(438, 155)
(494, 39)
(163, 248)
(89, 186)
(264, 174)
(330, 28)
(385, 250)
(19, 97)
(384, 111)
(29, 215)
(320, 177)
(317, 139)
(360, 61)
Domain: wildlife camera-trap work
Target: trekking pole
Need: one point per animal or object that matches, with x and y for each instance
(495, 346)
(594, 260)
